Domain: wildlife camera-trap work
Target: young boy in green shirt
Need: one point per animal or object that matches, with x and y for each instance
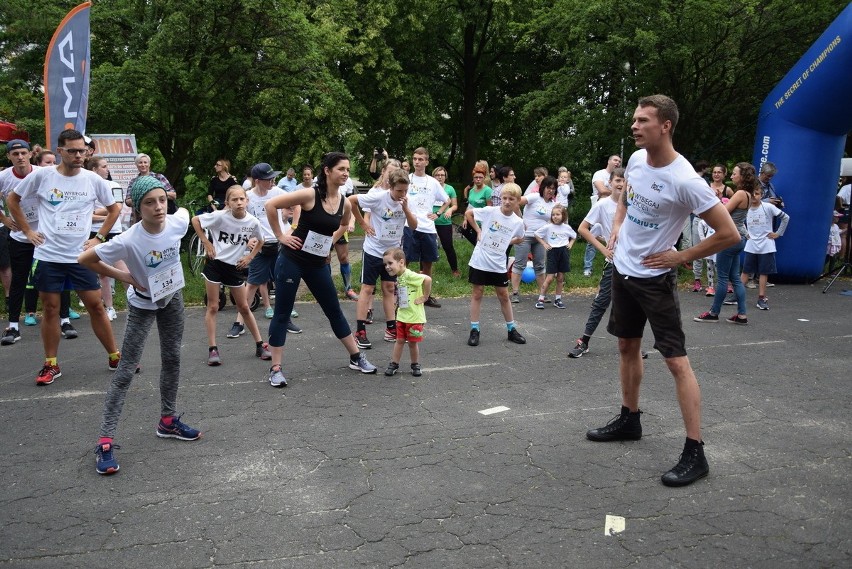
(412, 291)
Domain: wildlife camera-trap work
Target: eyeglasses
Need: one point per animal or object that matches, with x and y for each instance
(75, 151)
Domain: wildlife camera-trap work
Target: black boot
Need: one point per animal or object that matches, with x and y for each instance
(623, 427)
(691, 466)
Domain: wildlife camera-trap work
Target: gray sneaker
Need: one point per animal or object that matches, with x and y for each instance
(762, 304)
(515, 298)
(360, 363)
(10, 336)
(276, 377)
(578, 350)
(68, 331)
(236, 330)
(730, 299)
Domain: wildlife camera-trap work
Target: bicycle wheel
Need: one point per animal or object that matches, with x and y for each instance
(196, 255)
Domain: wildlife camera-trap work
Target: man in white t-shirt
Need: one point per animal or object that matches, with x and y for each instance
(600, 179)
(662, 190)
(600, 188)
(66, 197)
(421, 244)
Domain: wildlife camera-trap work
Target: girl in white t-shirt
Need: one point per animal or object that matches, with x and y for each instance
(557, 238)
(705, 231)
(154, 275)
(227, 263)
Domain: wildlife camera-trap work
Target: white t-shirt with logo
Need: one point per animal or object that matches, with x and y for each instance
(759, 224)
(556, 235)
(229, 235)
(658, 202)
(9, 180)
(257, 207)
(536, 213)
(498, 230)
(601, 216)
(65, 206)
(387, 220)
(152, 258)
(423, 191)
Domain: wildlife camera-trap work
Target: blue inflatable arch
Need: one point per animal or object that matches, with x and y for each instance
(802, 129)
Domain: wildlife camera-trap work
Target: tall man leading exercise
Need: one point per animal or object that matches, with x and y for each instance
(663, 189)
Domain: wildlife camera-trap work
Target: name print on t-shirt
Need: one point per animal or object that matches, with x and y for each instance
(240, 238)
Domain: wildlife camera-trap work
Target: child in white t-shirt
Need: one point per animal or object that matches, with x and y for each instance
(498, 228)
(227, 264)
(705, 231)
(760, 247)
(151, 251)
(557, 238)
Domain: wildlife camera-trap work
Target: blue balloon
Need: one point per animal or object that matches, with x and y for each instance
(528, 275)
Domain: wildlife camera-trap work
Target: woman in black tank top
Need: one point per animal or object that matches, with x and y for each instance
(304, 250)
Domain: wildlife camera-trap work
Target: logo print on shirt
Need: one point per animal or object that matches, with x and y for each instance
(55, 196)
(657, 187)
(153, 259)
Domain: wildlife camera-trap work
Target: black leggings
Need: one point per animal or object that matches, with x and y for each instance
(445, 234)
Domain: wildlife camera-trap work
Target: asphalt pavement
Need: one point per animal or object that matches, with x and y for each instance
(481, 462)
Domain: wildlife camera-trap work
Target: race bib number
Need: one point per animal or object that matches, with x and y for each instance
(494, 241)
(391, 232)
(403, 296)
(165, 283)
(420, 202)
(317, 244)
(30, 212)
(71, 224)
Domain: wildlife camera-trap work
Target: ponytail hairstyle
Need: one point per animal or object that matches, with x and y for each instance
(329, 161)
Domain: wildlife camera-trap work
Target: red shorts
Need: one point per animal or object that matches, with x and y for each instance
(410, 332)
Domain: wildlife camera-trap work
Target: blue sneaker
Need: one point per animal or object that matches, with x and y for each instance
(177, 430)
(30, 320)
(73, 315)
(360, 363)
(270, 312)
(106, 463)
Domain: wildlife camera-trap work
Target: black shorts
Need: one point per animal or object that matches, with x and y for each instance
(373, 268)
(558, 260)
(487, 278)
(636, 301)
(217, 272)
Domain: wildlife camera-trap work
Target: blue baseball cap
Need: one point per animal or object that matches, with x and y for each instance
(17, 144)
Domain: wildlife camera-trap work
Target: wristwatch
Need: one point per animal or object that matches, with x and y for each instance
(100, 237)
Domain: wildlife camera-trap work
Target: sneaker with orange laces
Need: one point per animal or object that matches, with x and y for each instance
(113, 362)
(48, 374)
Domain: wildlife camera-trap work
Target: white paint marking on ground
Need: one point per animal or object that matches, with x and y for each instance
(614, 525)
(60, 395)
(470, 366)
(803, 320)
(493, 410)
